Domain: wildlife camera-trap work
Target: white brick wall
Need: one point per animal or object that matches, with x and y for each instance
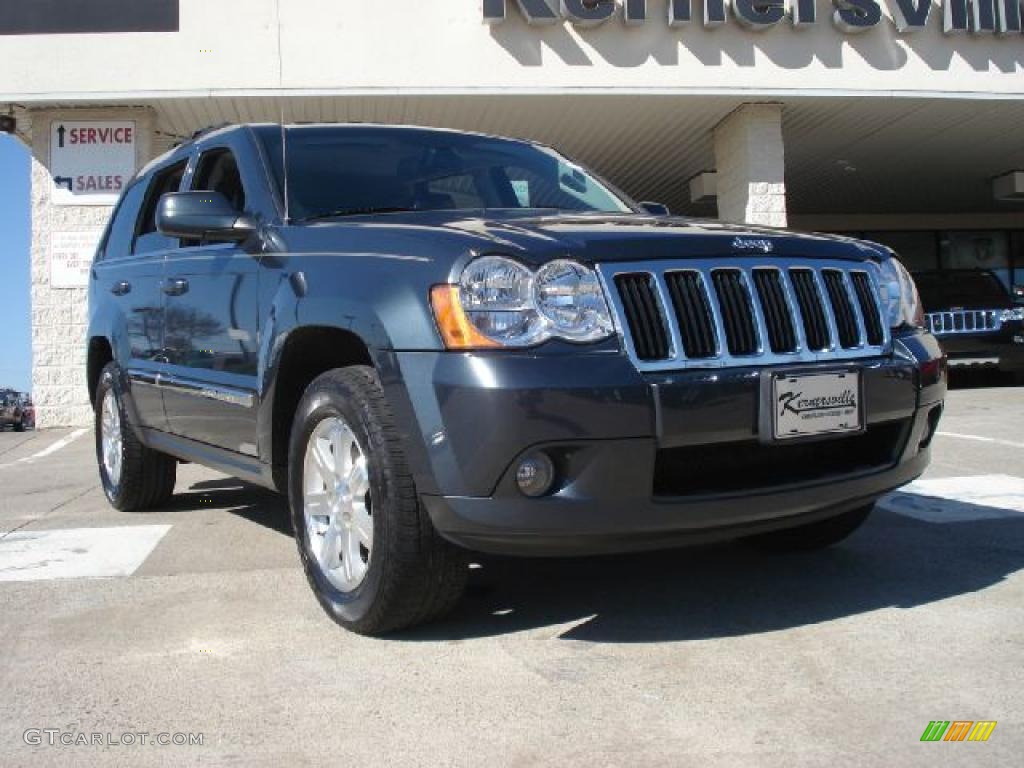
(750, 163)
(60, 315)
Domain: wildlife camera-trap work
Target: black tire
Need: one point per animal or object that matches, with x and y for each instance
(413, 576)
(147, 476)
(20, 426)
(819, 535)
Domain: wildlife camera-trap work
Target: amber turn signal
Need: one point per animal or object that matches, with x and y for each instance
(457, 331)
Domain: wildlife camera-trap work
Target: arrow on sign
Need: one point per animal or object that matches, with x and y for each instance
(65, 181)
(60, 136)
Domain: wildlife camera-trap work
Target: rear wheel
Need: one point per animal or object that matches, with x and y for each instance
(134, 477)
(368, 548)
(819, 535)
(19, 426)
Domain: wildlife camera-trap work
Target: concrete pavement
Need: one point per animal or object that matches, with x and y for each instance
(715, 656)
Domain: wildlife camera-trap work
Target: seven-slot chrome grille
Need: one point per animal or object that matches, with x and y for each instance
(964, 321)
(745, 311)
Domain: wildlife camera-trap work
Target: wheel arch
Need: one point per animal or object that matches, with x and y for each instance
(304, 354)
(100, 353)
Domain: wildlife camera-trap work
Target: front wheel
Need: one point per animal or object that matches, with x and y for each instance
(134, 477)
(368, 548)
(819, 535)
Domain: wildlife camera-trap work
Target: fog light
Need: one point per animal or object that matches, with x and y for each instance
(535, 475)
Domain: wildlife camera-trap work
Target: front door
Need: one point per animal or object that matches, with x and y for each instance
(210, 327)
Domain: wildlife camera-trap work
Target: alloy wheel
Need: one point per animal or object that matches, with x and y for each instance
(337, 504)
(110, 435)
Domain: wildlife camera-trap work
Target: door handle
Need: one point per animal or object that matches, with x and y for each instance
(176, 286)
(121, 288)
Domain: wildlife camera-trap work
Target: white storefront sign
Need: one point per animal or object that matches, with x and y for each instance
(91, 161)
(71, 255)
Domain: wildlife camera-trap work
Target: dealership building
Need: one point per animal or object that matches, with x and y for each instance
(899, 120)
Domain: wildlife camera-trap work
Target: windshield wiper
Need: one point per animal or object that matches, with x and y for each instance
(366, 211)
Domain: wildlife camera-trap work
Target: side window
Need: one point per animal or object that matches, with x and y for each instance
(218, 172)
(147, 239)
(122, 227)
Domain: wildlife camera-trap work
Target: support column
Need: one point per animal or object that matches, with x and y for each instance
(60, 312)
(750, 163)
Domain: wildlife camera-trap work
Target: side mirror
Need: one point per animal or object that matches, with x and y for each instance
(201, 216)
(655, 209)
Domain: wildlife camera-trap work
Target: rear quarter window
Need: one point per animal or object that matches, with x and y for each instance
(122, 227)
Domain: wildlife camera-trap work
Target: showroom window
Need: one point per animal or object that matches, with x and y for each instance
(1000, 251)
(919, 251)
(975, 250)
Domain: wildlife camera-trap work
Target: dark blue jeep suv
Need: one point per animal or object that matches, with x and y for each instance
(436, 342)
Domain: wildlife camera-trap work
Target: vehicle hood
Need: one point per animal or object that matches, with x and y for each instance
(586, 237)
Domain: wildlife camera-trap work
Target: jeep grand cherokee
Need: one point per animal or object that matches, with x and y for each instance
(436, 341)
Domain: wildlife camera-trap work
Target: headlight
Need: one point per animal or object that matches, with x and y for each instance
(1010, 315)
(569, 297)
(501, 303)
(900, 299)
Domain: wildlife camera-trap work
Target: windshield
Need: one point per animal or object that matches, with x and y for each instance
(970, 290)
(351, 170)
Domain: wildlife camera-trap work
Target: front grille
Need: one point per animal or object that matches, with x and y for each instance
(744, 466)
(781, 334)
(742, 311)
(842, 308)
(812, 308)
(868, 308)
(643, 313)
(737, 312)
(964, 321)
(692, 314)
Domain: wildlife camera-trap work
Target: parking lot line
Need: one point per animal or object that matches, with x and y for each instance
(64, 442)
(981, 439)
(959, 499)
(78, 553)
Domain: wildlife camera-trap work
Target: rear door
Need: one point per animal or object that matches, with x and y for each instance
(129, 273)
(211, 332)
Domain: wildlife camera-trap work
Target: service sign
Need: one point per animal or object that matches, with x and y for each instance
(91, 161)
(71, 255)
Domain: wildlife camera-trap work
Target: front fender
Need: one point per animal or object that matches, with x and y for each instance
(383, 301)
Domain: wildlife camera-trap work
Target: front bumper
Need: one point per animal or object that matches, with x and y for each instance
(613, 432)
(1003, 350)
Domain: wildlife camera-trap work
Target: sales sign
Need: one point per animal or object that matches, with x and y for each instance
(91, 161)
(71, 255)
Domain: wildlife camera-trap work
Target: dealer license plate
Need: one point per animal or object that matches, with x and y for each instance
(816, 404)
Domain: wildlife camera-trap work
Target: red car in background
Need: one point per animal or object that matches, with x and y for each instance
(16, 410)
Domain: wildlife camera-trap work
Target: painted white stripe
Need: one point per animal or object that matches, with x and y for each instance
(959, 499)
(77, 553)
(64, 442)
(980, 439)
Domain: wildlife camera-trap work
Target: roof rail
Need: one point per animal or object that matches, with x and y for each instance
(208, 129)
